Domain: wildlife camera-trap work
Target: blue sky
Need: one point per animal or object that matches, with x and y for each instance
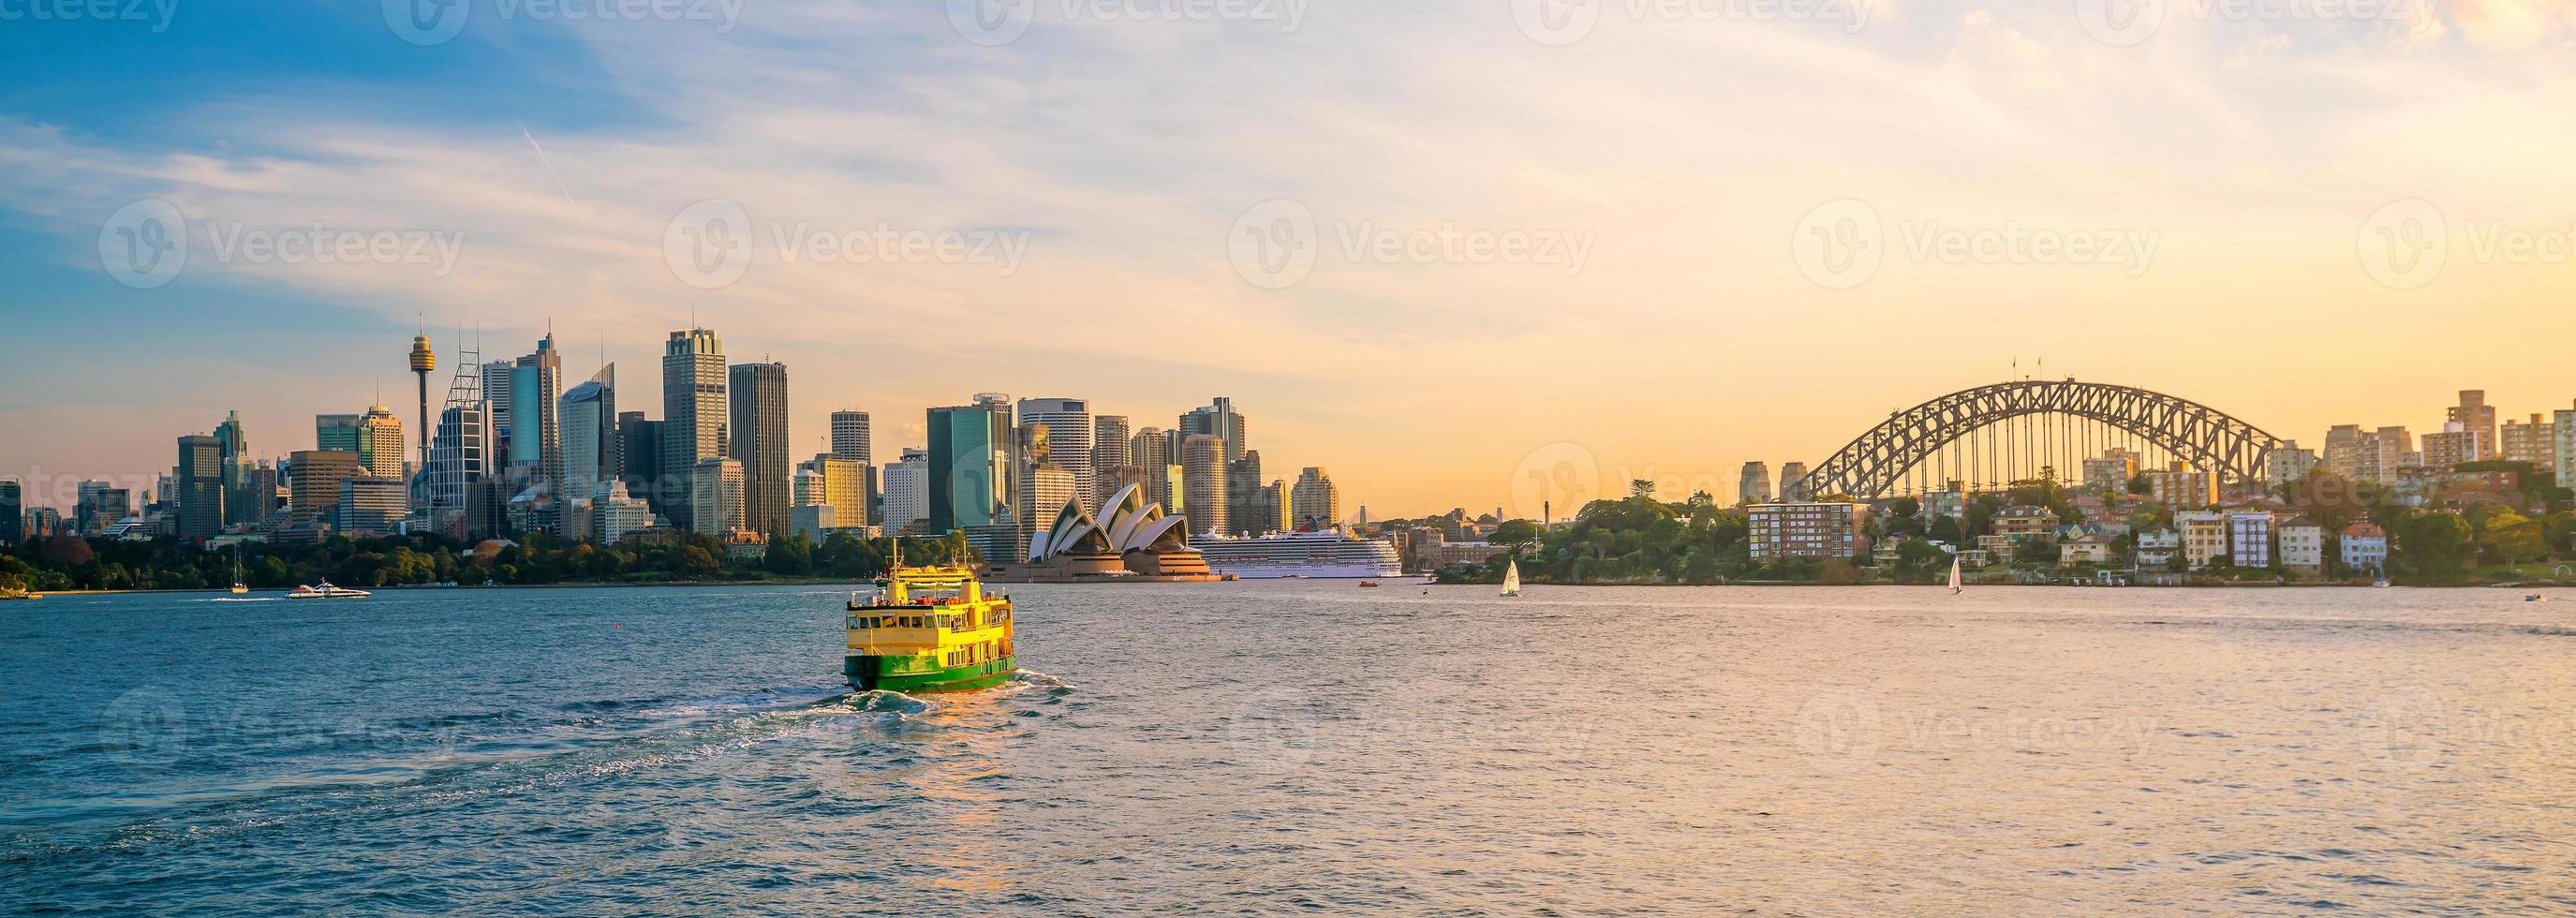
(1093, 170)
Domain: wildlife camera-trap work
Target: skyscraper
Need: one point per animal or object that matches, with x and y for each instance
(1151, 451)
(313, 480)
(907, 490)
(458, 458)
(759, 441)
(1218, 419)
(1203, 482)
(1070, 433)
(715, 496)
(1314, 502)
(336, 433)
(496, 409)
(423, 360)
(693, 416)
(852, 439)
(239, 505)
(590, 445)
(2474, 415)
(1109, 451)
(13, 511)
(380, 443)
(640, 446)
(838, 483)
(1244, 493)
(201, 486)
(1049, 484)
(536, 427)
(970, 475)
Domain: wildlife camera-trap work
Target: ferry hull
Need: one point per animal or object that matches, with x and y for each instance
(900, 674)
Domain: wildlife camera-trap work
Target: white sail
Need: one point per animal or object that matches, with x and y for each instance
(1954, 573)
(1512, 578)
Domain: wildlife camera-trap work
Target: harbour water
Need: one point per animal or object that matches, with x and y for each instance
(1298, 746)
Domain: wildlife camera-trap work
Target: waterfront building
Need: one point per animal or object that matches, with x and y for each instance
(2089, 546)
(1314, 502)
(907, 490)
(2204, 537)
(13, 510)
(1793, 486)
(2384, 452)
(2365, 548)
(2303, 547)
(1218, 419)
(1777, 531)
(381, 445)
(370, 505)
(2535, 442)
(2287, 463)
(840, 484)
(2474, 415)
(200, 486)
(972, 476)
(615, 512)
(1070, 432)
(2022, 521)
(2457, 443)
(2563, 433)
(2110, 472)
(2178, 486)
(313, 480)
(2156, 549)
(1111, 453)
(693, 418)
(759, 442)
(1203, 482)
(716, 496)
(1130, 539)
(2249, 538)
(1753, 485)
(591, 450)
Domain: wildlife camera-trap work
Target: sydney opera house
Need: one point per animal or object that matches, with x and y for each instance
(1131, 541)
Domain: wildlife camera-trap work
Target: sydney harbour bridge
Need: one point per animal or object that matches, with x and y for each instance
(1987, 437)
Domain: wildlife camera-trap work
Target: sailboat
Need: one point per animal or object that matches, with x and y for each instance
(1512, 578)
(1955, 588)
(238, 588)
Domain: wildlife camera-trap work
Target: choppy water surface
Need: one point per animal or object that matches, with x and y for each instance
(1273, 747)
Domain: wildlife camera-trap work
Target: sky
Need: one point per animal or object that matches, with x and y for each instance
(1442, 249)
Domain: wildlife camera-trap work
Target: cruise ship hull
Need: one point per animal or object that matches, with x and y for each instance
(1309, 571)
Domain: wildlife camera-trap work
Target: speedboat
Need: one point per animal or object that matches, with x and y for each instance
(325, 590)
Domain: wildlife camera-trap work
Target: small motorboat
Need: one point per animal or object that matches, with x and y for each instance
(325, 590)
(2534, 597)
(1368, 583)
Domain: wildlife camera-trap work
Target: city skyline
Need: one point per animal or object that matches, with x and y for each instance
(2262, 193)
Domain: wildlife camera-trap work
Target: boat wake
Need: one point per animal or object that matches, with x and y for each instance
(240, 599)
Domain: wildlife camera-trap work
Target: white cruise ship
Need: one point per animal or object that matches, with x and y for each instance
(1300, 554)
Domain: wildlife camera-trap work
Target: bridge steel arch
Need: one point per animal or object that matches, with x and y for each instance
(1871, 465)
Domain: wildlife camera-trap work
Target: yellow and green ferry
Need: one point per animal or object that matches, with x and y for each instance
(929, 629)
